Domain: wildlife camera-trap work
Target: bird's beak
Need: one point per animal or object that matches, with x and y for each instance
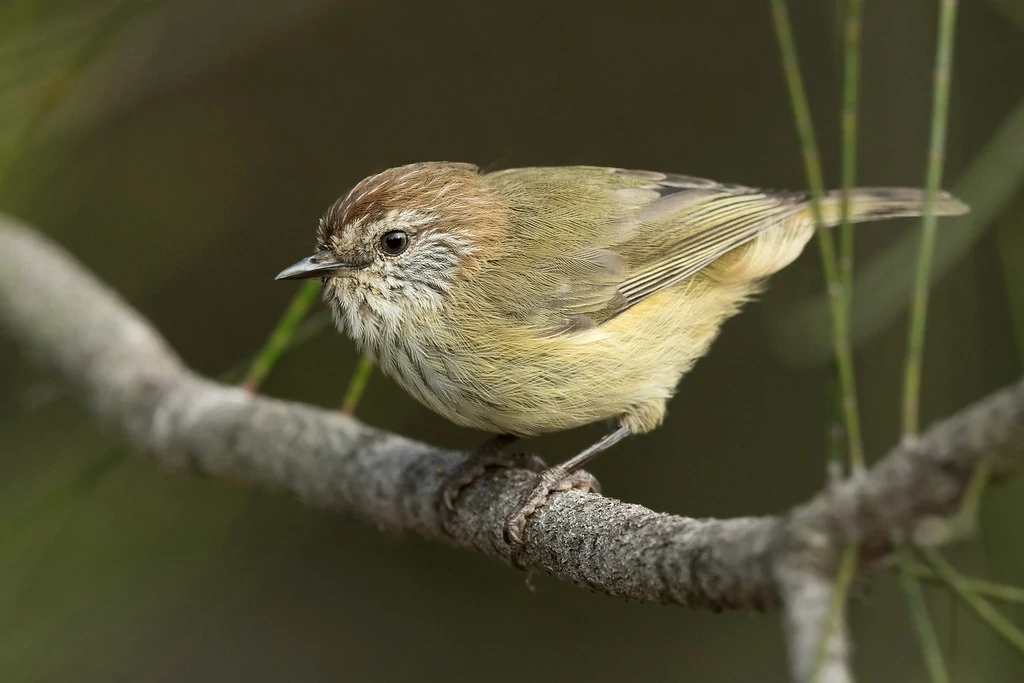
(320, 264)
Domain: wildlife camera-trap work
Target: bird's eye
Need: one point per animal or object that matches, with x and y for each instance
(394, 242)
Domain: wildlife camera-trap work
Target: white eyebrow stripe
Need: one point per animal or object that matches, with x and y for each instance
(412, 218)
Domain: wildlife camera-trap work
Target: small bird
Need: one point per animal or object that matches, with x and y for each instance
(535, 300)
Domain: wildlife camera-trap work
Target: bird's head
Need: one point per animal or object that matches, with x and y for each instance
(397, 243)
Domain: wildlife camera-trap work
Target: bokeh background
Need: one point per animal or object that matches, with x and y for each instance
(184, 149)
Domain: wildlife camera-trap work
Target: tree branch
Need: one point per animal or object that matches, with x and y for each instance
(125, 373)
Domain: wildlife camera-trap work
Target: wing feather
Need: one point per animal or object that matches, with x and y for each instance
(725, 224)
(591, 242)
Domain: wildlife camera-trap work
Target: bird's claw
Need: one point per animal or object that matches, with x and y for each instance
(550, 481)
(473, 468)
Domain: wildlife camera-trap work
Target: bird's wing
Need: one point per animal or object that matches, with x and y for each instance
(689, 223)
(589, 243)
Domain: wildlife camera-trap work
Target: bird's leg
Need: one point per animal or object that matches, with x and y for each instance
(489, 454)
(561, 477)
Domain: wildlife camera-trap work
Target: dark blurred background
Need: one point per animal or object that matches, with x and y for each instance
(184, 149)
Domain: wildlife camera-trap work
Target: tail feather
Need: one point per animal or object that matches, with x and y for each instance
(879, 203)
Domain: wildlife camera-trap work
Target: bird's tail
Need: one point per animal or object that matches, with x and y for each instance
(879, 203)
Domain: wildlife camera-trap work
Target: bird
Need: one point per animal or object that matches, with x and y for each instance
(532, 300)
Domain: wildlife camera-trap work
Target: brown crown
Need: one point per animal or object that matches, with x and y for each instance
(451, 191)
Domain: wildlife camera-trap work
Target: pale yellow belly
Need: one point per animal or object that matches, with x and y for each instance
(515, 381)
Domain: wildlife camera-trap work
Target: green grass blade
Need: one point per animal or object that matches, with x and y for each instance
(923, 626)
(936, 158)
(848, 124)
(837, 299)
(987, 589)
(304, 332)
(979, 605)
(883, 284)
(356, 385)
(919, 310)
(836, 607)
(280, 338)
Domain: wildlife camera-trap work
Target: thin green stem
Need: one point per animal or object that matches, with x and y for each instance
(282, 334)
(304, 331)
(815, 179)
(966, 520)
(836, 607)
(979, 605)
(835, 433)
(801, 110)
(838, 301)
(923, 626)
(936, 157)
(851, 80)
(356, 385)
(988, 589)
(919, 308)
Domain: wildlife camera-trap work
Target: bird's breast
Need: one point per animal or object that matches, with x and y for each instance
(499, 375)
(416, 351)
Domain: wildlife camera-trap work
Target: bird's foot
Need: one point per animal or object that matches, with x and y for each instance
(489, 454)
(551, 480)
